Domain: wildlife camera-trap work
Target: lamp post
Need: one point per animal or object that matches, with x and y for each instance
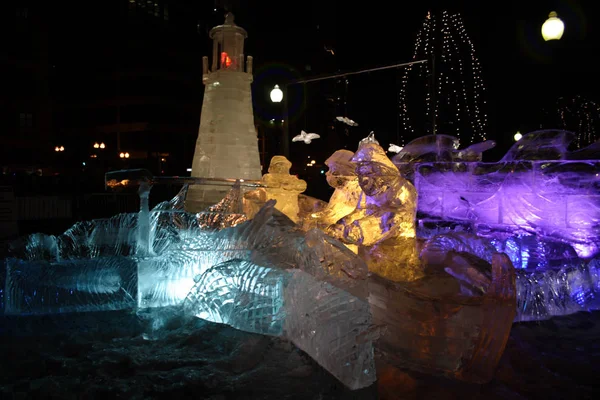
(553, 28)
(277, 96)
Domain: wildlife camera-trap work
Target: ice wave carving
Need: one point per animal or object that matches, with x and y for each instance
(42, 287)
(331, 325)
(240, 294)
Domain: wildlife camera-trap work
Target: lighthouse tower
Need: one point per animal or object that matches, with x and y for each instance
(227, 145)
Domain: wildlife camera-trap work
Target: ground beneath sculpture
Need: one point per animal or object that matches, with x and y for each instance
(108, 355)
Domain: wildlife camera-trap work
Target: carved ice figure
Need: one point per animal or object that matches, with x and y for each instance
(540, 145)
(437, 148)
(427, 148)
(305, 137)
(280, 186)
(383, 224)
(473, 152)
(549, 144)
(347, 195)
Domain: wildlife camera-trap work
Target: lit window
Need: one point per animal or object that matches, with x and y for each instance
(225, 60)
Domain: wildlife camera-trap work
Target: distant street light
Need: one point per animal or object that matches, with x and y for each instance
(99, 145)
(518, 136)
(102, 145)
(276, 94)
(124, 155)
(96, 145)
(59, 148)
(553, 28)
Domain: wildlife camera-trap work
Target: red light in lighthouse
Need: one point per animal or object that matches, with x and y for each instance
(225, 60)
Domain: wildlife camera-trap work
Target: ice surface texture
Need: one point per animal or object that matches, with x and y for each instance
(42, 287)
(555, 200)
(240, 294)
(331, 325)
(544, 294)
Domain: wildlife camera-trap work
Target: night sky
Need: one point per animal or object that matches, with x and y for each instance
(523, 74)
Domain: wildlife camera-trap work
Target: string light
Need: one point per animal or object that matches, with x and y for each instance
(579, 115)
(459, 88)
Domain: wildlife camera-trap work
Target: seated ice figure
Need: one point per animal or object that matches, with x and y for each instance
(280, 186)
(383, 223)
(347, 195)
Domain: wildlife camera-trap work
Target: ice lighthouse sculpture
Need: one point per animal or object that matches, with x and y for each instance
(227, 146)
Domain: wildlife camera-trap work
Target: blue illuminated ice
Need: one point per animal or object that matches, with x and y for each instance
(543, 294)
(44, 287)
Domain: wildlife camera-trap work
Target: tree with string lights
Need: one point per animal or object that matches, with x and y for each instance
(445, 96)
(581, 116)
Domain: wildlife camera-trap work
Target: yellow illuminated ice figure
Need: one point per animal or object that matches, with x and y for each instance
(383, 223)
(342, 177)
(280, 186)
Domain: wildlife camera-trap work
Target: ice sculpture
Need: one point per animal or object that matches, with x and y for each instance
(434, 327)
(384, 227)
(543, 294)
(347, 195)
(279, 186)
(440, 148)
(240, 294)
(183, 249)
(540, 145)
(427, 148)
(473, 152)
(557, 201)
(329, 324)
(305, 137)
(437, 148)
(44, 287)
(448, 313)
(310, 208)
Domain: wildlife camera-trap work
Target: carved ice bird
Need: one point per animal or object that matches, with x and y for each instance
(305, 137)
(346, 121)
(394, 149)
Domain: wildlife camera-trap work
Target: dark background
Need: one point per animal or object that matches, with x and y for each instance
(128, 74)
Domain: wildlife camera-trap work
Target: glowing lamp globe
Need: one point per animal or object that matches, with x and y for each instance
(518, 136)
(553, 28)
(276, 94)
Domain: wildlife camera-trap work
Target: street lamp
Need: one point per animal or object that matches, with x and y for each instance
(276, 94)
(553, 28)
(518, 136)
